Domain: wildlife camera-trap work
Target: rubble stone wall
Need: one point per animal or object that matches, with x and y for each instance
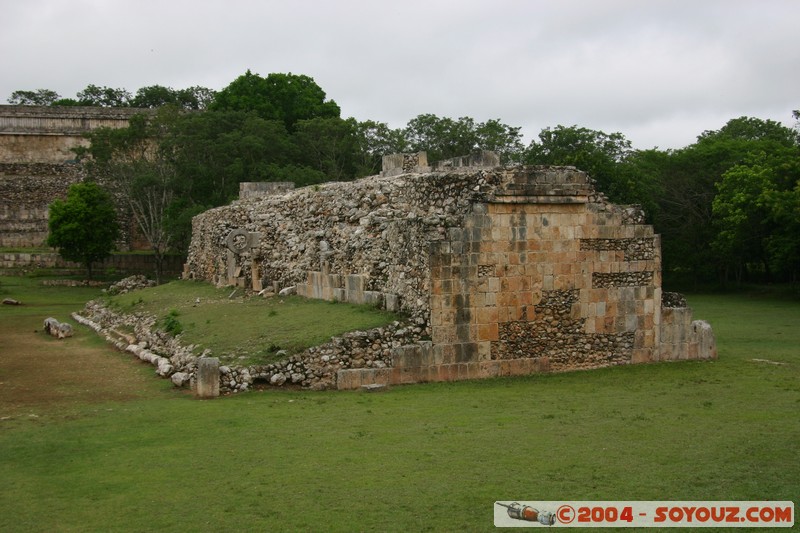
(119, 263)
(502, 271)
(26, 191)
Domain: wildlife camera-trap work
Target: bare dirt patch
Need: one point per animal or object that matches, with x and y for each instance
(44, 376)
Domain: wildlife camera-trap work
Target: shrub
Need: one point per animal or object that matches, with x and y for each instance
(171, 324)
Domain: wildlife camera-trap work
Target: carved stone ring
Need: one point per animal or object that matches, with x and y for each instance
(237, 241)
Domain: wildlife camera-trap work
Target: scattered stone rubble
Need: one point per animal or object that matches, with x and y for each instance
(131, 283)
(59, 330)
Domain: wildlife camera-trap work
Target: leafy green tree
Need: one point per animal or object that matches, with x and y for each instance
(214, 151)
(373, 141)
(783, 245)
(441, 137)
(756, 216)
(37, 97)
(96, 96)
(741, 218)
(66, 102)
(501, 138)
(688, 184)
(595, 152)
(285, 97)
(196, 97)
(154, 96)
(130, 161)
(192, 98)
(328, 145)
(83, 228)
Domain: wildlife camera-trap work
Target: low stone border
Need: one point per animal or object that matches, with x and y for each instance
(316, 368)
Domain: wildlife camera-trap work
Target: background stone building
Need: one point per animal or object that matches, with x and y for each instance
(37, 164)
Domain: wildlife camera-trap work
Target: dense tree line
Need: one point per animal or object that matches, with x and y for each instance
(727, 206)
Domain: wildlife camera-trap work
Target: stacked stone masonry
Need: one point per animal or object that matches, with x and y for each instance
(38, 164)
(502, 271)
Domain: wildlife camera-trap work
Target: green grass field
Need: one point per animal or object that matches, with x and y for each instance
(430, 457)
(248, 330)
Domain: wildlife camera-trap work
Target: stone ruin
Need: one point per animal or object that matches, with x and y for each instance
(499, 270)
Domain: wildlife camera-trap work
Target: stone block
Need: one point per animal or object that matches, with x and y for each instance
(207, 378)
(703, 336)
(373, 298)
(642, 355)
(396, 376)
(488, 369)
(348, 379)
(542, 364)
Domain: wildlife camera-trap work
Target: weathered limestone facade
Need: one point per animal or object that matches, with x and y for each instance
(37, 164)
(42, 134)
(503, 271)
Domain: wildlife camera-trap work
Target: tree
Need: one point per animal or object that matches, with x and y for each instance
(154, 96)
(757, 217)
(37, 97)
(441, 137)
(373, 141)
(130, 161)
(214, 151)
(96, 96)
(285, 97)
(501, 138)
(66, 102)
(83, 228)
(196, 97)
(595, 152)
(327, 145)
(741, 218)
(192, 98)
(688, 184)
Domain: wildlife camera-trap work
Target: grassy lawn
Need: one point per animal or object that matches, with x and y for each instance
(248, 330)
(428, 457)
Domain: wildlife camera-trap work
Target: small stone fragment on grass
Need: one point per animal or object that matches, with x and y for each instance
(180, 378)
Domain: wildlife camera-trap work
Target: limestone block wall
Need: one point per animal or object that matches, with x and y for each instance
(568, 284)
(396, 164)
(684, 338)
(502, 271)
(120, 263)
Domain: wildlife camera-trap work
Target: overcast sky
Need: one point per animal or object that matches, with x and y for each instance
(659, 71)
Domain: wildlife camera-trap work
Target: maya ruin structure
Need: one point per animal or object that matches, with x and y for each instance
(500, 271)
